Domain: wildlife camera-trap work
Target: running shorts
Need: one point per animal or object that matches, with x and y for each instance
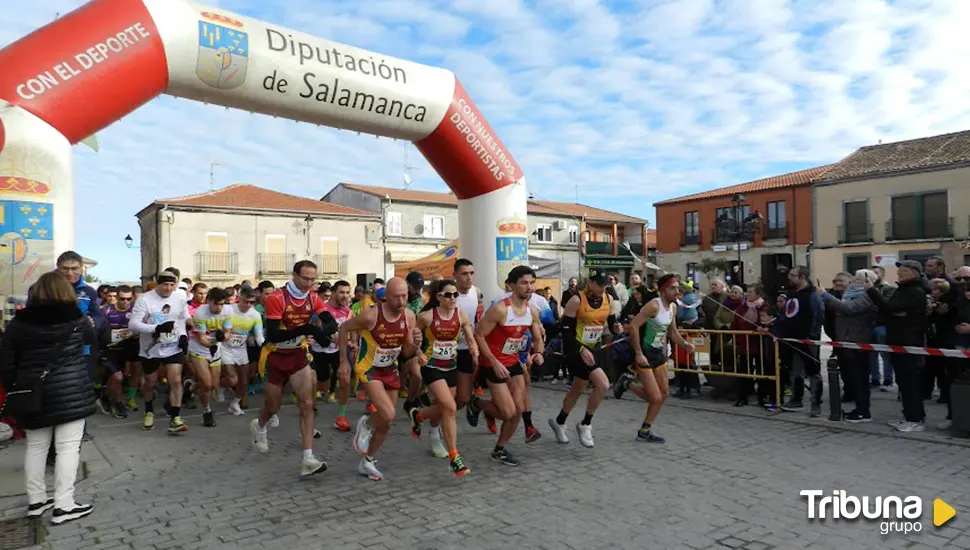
(150, 365)
(656, 357)
(389, 376)
(430, 375)
(325, 364)
(514, 370)
(120, 356)
(235, 356)
(213, 360)
(579, 369)
(282, 364)
(465, 364)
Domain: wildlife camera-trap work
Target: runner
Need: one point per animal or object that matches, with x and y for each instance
(658, 320)
(288, 314)
(468, 304)
(246, 324)
(442, 323)
(501, 335)
(211, 325)
(326, 359)
(263, 290)
(385, 339)
(159, 317)
(583, 321)
(122, 350)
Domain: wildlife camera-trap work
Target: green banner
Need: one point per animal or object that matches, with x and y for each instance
(608, 261)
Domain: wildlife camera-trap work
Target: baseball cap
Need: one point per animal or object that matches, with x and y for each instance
(415, 279)
(912, 264)
(598, 276)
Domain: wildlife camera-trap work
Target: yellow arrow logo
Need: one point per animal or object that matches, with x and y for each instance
(942, 512)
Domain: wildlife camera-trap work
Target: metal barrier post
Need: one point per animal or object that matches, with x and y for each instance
(835, 390)
(777, 377)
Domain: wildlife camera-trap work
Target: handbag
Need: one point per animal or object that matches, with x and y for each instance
(25, 398)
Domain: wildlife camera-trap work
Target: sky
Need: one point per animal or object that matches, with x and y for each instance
(619, 103)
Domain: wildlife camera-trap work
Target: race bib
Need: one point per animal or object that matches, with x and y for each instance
(168, 338)
(237, 340)
(385, 357)
(445, 351)
(660, 340)
(292, 343)
(118, 334)
(513, 346)
(593, 334)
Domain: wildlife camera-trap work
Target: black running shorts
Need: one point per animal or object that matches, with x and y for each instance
(151, 365)
(431, 374)
(324, 364)
(514, 370)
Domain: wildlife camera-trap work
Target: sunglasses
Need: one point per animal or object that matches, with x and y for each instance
(448, 294)
(251, 302)
(124, 299)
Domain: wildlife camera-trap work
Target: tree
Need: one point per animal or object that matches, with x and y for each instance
(90, 278)
(711, 267)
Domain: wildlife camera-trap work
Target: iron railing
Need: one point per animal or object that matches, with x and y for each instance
(858, 233)
(929, 228)
(275, 263)
(216, 263)
(331, 264)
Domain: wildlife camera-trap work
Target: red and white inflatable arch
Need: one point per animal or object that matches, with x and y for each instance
(91, 67)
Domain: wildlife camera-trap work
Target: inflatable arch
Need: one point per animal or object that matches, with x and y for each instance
(91, 67)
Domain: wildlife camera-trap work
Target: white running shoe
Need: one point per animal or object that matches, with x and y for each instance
(369, 468)
(260, 441)
(312, 466)
(945, 425)
(218, 395)
(911, 427)
(437, 445)
(559, 431)
(585, 435)
(274, 421)
(235, 409)
(362, 436)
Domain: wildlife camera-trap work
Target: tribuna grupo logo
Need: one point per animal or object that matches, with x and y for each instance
(895, 514)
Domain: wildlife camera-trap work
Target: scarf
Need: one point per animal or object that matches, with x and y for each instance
(853, 292)
(751, 310)
(295, 292)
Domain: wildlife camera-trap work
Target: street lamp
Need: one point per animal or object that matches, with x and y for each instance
(129, 242)
(737, 200)
(738, 229)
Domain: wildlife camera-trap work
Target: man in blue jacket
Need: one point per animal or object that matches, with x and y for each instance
(71, 265)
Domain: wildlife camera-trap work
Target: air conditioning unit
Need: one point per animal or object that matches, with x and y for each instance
(558, 225)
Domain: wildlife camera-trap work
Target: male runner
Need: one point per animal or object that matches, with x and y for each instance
(467, 302)
(583, 321)
(211, 325)
(159, 317)
(245, 324)
(501, 335)
(263, 290)
(385, 340)
(326, 360)
(658, 320)
(288, 314)
(442, 323)
(122, 350)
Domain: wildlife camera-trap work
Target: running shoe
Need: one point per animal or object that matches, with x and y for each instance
(77, 512)
(362, 436)
(177, 426)
(471, 414)
(235, 409)
(855, 417)
(119, 410)
(38, 509)
(532, 434)
(208, 419)
(311, 466)
(132, 404)
(250, 389)
(149, 423)
(218, 395)
(294, 398)
(318, 396)
(331, 398)
(371, 408)
(437, 445)
(505, 457)
(341, 424)
(458, 467)
(415, 423)
(361, 396)
(368, 467)
(910, 427)
(260, 441)
(490, 423)
(622, 384)
(559, 430)
(480, 392)
(317, 434)
(103, 404)
(274, 421)
(649, 437)
(585, 435)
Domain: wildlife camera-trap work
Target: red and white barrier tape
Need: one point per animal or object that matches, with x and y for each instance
(909, 350)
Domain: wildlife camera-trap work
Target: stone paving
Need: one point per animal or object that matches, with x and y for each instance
(722, 480)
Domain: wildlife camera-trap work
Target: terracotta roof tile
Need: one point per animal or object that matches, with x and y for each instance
(794, 179)
(253, 197)
(534, 207)
(900, 156)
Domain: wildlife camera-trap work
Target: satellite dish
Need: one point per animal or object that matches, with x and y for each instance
(407, 180)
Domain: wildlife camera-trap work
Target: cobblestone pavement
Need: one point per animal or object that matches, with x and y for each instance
(720, 481)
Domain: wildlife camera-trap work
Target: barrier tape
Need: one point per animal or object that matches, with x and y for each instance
(907, 350)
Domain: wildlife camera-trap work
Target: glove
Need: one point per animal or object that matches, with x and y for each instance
(220, 336)
(184, 344)
(167, 326)
(308, 329)
(213, 350)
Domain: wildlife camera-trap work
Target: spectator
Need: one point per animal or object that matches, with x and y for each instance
(905, 314)
(839, 283)
(571, 290)
(942, 320)
(713, 303)
(879, 337)
(688, 317)
(747, 347)
(961, 338)
(638, 299)
(802, 319)
(553, 304)
(615, 306)
(766, 393)
(854, 313)
(620, 289)
(43, 351)
(725, 316)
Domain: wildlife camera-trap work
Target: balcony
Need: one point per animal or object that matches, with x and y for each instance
(216, 265)
(690, 240)
(601, 248)
(331, 264)
(777, 232)
(930, 228)
(857, 233)
(275, 264)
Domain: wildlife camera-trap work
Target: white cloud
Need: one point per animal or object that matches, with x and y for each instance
(630, 102)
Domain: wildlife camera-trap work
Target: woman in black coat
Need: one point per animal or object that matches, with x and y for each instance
(43, 349)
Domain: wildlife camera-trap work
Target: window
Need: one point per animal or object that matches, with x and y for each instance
(275, 259)
(729, 213)
(922, 216)
(692, 273)
(543, 233)
(855, 222)
(573, 234)
(777, 223)
(217, 242)
(216, 258)
(434, 227)
(692, 232)
(328, 262)
(855, 262)
(275, 244)
(393, 224)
